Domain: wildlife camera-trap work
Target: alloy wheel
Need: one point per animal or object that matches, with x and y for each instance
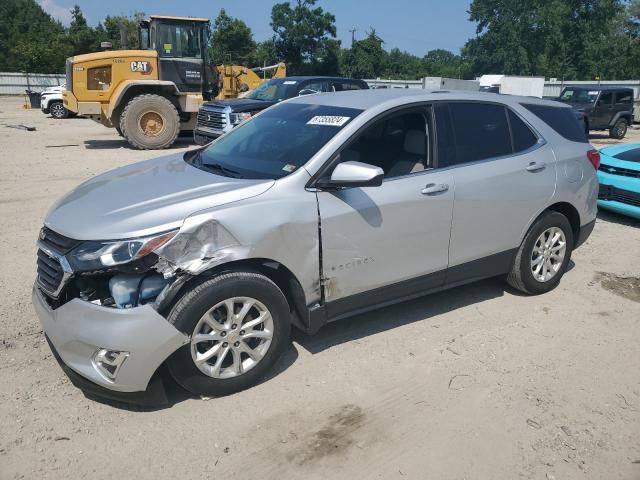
(57, 110)
(232, 337)
(548, 254)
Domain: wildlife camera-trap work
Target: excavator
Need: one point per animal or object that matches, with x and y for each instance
(153, 93)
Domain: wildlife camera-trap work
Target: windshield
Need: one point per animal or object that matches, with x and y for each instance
(275, 143)
(273, 91)
(578, 95)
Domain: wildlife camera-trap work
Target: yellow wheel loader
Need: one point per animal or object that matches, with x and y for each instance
(148, 95)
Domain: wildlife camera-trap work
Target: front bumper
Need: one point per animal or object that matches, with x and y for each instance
(619, 193)
(78, 329)
(202, 137)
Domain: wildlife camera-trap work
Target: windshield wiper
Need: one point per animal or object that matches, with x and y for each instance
(216, 167)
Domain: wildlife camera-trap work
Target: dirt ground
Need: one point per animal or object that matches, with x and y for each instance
(474, 383)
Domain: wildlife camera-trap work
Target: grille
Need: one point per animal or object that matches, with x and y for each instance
(625, 172)
(608, 192)
(59, 243)
(49, 272)
(212, 119)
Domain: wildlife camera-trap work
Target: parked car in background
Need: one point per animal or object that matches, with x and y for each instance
(218, 117)
(51, 103)
(619, 176)
(320, 208)
(602, 108)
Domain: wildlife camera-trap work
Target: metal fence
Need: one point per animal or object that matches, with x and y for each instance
(16, 83)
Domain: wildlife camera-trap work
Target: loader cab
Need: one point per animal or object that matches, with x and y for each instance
(181, 44)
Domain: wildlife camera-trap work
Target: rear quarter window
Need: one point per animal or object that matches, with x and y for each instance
(561, 119)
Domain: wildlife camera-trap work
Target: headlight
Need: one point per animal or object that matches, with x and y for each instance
(237, 118)
(96, 255)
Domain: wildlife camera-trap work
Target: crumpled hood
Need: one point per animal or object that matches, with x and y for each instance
(144, 198)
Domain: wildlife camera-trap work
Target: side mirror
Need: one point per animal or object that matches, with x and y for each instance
(355, 174)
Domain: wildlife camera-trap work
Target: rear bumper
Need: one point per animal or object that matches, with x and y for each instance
(78, 329)
(585, 233)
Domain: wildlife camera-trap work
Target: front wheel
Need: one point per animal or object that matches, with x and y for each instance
(238, 323)
(619, 129)
(150, 122)
(58, 111)
(543, 256)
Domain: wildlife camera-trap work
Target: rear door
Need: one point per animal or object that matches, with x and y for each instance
(504, 174)
(623, 101)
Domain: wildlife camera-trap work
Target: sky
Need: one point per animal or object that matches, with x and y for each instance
(416, 26)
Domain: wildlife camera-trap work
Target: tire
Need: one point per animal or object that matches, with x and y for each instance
(522, 276)
(119, 131)
(188, 316)
(58, 111)
(160, 118)
(619, 129)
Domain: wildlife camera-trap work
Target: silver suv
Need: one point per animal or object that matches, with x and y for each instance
(316, 209)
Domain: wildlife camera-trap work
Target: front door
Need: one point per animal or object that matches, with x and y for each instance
(380, 244)
(602, 111)
(180, 55)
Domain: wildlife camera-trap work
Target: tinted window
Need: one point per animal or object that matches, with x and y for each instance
(562, 120)
(578, 95)
(317, 86)
(275, 143)
(399, 144)
(606, 98)
(481, 131)
(523, 137)
(343, 85)
(624, 97)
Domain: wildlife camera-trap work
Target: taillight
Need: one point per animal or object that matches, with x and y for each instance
(594, 157)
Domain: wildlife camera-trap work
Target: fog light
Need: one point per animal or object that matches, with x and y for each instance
(108, 362)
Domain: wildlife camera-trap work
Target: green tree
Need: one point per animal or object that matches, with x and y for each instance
(111, 26)
(555, 38)
(302, 35)
(265, 54)
(232, 40)
(366, 58)
(82, 37)
(31, 40)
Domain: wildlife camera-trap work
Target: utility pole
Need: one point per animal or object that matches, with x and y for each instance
(353, 35)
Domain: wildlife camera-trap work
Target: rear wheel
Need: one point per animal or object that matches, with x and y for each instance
(543, 256)
(619, 129)
(150, 122)
(238, 323)
(58, 111)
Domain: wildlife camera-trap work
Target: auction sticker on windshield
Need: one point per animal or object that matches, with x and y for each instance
(331, 120)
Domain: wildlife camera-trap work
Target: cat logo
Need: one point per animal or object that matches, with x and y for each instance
(143, 67)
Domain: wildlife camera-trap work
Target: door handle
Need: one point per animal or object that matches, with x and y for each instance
(433, 188)
(536, 167)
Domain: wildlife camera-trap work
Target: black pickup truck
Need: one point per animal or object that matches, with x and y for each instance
(602, 108)
(218, 117)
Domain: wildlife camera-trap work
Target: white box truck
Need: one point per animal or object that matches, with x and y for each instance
(512, 85)
(443, 83)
